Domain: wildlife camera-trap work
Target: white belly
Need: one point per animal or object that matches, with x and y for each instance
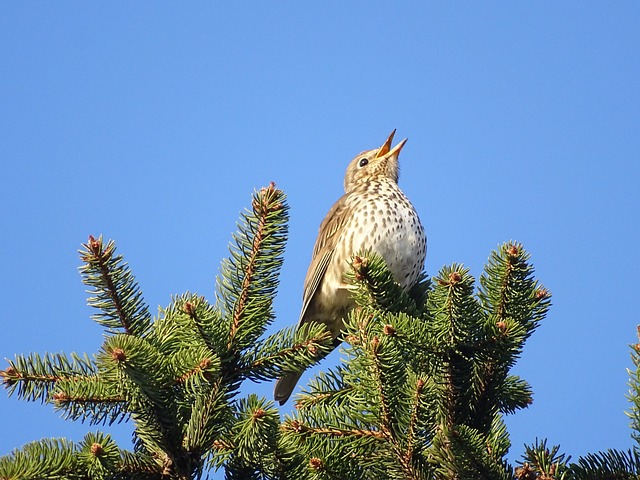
(388, 226)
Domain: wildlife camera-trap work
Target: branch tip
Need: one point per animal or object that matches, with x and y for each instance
(316, 463)
(360, 267)
(7, 376)
(118, 355)
(389, 330)
(189, 309)
(97, 450)
(542, 293)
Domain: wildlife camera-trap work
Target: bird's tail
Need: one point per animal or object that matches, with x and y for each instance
(284, 387)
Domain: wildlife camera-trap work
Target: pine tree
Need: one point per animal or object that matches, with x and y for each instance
(421, 393)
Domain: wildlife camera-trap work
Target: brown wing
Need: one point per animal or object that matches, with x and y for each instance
(328, 235)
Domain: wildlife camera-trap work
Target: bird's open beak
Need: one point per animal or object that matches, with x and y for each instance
(386, 146)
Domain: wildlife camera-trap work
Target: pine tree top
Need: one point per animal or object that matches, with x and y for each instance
(421, 393)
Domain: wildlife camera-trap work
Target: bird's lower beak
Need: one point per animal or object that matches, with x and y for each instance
(386, 146)
(396, 150)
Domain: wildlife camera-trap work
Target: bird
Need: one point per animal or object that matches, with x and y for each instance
(373, 214)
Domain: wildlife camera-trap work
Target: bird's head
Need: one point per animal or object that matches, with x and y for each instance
(377, 163)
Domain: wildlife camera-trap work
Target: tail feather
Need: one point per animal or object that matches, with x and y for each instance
(284, 387)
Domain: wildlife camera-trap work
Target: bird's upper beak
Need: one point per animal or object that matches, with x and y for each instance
(386, 146)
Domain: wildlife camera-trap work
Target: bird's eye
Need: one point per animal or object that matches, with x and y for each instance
(363, 162)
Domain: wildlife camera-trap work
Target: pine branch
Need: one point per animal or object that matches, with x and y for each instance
(403, 316)
(514, 304)
(405, 444)
(290, 350)
(382, 374)
(204, 317)
(455, 329)
(194, 368)
(634, 393)
(96, 456)
(255, 431)
(250, 271)
(297, 427)
(99, 455)
(377, 370)
(138, 466)
(32, 377)
(115, 290)
(90, 399)
(609, 465)
(366, 401)
(326, 390)
(455, 312)
(48, 458)
(412, 432)
(375, 286)
(140, 372)
(257, 451)
(249, 278)
(465, 456)
(544, 463)
(209, 422)
(509, 293)
(498, 442)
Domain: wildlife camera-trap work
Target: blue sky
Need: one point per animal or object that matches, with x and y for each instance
(152, 123)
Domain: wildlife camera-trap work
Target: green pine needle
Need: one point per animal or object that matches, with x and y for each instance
(115, 291)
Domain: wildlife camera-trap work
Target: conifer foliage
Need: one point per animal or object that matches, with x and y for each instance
(426, 383)
(176, 377)
(420, 394)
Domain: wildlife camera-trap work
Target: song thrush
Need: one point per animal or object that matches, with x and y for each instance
(372, 214)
